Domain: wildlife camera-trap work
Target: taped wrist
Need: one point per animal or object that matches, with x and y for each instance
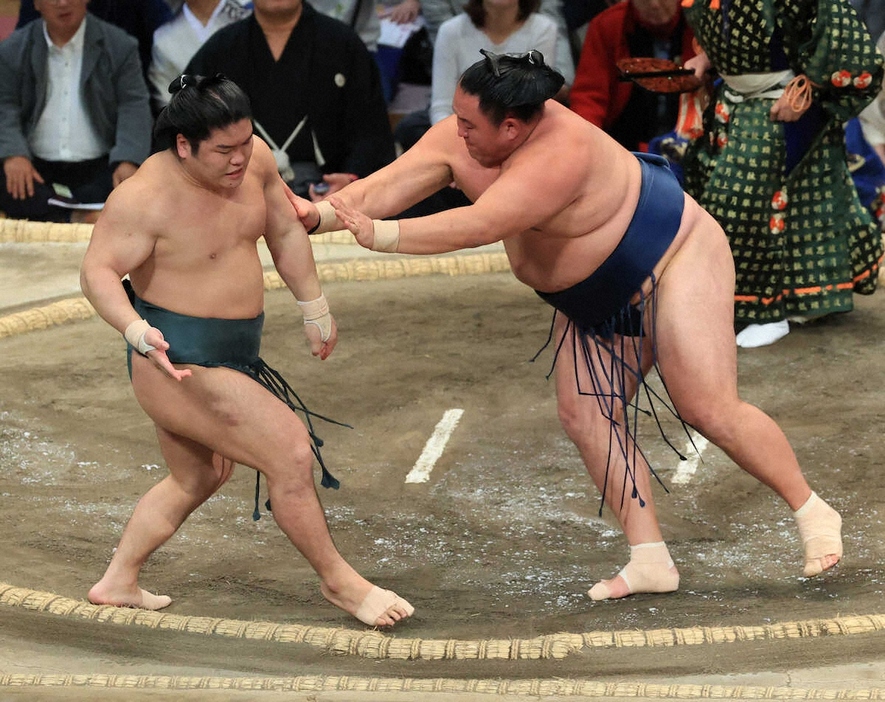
(134, 336)
(386, 235)
(326, 222)
(316, 312)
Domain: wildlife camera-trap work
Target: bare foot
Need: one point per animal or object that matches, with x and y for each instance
(140, 599)
(372, 605)
(820, 527)
(650, 570)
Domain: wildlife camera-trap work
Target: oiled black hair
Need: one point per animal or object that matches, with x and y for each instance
(198, 106)
(514, 85)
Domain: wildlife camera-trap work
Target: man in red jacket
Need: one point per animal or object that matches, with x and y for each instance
(634, 28)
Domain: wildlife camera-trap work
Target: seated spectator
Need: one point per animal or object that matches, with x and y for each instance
(634, 28)
(436, 12)
(399, 46)
(577, 14)
(501, 26)
(364, 17)
(140, 18)
(178, 40)
(865, 142)
(867, 171)
(360, 15)
(315, 91)
(74, 111)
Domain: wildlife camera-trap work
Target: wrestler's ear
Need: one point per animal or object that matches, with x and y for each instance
(182, 146)
(512, 128)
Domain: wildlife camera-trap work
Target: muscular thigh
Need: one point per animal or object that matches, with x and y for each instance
(694, 319)
(222, 409)
(584, 371)
(196, 468)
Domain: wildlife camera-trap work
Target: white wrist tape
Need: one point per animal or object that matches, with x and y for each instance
(316, 312)
(326, 222)
(386, 235)
(134, 335)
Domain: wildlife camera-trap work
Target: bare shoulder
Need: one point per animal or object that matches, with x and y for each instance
(439, 151)
(262, 164)
(141, 201)
(442, 138)
(567, 149)
(560, 125)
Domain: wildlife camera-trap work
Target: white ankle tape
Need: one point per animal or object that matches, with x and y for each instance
(134, 336)
(809, 503)
(655, 552)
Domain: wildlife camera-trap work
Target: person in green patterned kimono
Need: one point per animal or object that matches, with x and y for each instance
(771, 163)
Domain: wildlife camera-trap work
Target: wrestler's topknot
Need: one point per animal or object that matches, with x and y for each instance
(517, 84)
(198, 105)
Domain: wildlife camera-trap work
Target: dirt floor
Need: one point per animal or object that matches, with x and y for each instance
(502, 541)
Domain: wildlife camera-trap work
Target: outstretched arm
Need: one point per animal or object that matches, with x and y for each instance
(292, 254)
(418, 173)
(120, 243)
(527, 191)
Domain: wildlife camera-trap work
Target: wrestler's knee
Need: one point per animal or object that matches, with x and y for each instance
(293, 465)
(715, 421)
(192, 488)
(582, 419)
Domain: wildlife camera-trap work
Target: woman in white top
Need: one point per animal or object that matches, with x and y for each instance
(501, 26)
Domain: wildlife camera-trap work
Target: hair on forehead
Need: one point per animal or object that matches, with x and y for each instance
(199, 106)
(515, 85)
(476, 11)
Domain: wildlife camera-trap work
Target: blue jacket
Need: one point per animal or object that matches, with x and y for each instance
(114, 91)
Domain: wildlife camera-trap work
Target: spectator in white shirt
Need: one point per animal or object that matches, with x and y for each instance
(74, 112)
(178, 40)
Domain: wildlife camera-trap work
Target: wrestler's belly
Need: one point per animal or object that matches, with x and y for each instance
(227, 296)
(554, 264)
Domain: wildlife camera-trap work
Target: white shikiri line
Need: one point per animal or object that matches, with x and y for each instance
(434, 447)
(686, 469)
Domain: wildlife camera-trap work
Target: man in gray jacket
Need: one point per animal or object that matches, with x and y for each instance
(75, 118)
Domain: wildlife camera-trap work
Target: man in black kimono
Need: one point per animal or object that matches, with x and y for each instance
(315, 91)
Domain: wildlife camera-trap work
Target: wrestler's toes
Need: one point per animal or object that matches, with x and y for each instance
(392, 616)
(154, 602)
(613, 589)
(388, 618)
(816, 566)
(383, 608)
